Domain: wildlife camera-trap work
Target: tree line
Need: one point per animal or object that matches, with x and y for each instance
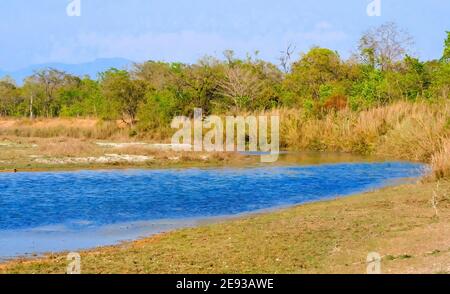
(150, 94)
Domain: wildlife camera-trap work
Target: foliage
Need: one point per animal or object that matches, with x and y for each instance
(123, 94)
(319, 82)
(158, 110)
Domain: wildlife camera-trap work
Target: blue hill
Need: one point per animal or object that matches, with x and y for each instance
(89, 68)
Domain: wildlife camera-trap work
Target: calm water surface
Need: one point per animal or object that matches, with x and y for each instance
(53, 211)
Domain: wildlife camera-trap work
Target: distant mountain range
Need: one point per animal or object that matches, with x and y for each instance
(81, 69)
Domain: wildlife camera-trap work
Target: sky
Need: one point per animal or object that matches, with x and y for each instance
(41, 31)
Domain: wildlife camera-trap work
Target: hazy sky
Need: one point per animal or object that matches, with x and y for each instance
(39, 31)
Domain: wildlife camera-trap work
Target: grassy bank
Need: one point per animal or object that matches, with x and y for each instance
(73, 154)
(403, 130)
(400, 223)
(66, 144)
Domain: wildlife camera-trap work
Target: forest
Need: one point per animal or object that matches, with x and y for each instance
(381, 71)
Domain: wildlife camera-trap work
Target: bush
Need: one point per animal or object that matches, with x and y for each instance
(157, 111)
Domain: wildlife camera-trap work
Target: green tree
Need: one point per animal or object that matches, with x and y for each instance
(314, 69)
(123, 94)
(158, 110)
(9, 98)
(84, 100)
(414, 78)
(32, 92)
(158, 75)
(446, 54)
(51, 82)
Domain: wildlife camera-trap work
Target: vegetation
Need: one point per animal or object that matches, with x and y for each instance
(381, 100)
(319, 82)
(400, 223)
(66, 144)
(402, 130)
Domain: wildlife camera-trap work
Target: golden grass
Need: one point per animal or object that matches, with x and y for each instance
(61, 127)
(440, 161)
(408, 131)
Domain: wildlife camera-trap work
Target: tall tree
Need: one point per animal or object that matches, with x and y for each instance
(241, 86)
(8, 96)
(314, 69)
(51, 81)
(123, 93)
(385, 45)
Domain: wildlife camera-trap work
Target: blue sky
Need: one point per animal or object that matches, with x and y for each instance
(39, 31)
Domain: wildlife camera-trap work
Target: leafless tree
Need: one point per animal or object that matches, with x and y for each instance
(241, 85)
(285, 58)
(385, 45)
(51, 80)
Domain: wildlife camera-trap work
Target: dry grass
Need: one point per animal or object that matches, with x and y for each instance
(60, 147)
(409, 131)
(64, 153)
(182, 156)
(59, 127)
(440, 161)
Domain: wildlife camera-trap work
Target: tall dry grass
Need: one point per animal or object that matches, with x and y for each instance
(70, 128)
(410, 131)
(440, 161)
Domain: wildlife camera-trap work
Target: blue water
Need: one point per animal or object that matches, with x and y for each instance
(92, 199)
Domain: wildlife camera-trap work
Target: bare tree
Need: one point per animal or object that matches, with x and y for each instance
(285, 58)
(241, 85)
(385, 45)
(50, 80)
(229, 56)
